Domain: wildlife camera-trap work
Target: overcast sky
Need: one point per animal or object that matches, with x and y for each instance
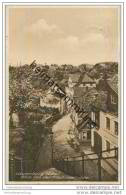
(61, 35)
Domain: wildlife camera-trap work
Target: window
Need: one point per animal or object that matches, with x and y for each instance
(97, 118)
(89, 135)
(93, 116)
(107, 123)
(113, 99)
(116, 153)
(116, 128)
(84, 135)
(108, 146)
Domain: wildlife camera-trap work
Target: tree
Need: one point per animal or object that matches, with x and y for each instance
(19, 90)
(35, 132)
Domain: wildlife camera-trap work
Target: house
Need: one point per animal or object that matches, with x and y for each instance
(81, 123)
(87, 82)
(81, 80)
(113, 94)
(79, 84)
(73, 79)
(76, 83)
(84, 131)
(63, 85)
(104, 136)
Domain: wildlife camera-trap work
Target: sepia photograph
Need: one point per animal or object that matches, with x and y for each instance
(63, 94)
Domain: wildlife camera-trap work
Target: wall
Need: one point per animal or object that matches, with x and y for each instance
(88, 85)
(69, 91)
(112, 107)
(108, 135)
(110, 165)
(70, 83)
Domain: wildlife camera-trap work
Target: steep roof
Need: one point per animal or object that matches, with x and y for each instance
(92, 91)
(75, 77)
(113, 83)
(87, 79)
(81, 78)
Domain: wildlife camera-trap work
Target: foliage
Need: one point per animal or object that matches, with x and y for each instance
(108, 68)
(33, 138)
(19, 89)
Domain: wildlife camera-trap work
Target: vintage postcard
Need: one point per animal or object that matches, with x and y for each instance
(63, 70)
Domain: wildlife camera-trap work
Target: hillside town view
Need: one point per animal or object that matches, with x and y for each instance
(63, 65)
(48, 139)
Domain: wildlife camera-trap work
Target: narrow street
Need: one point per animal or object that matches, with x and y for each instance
(61, 135)
(61, 150)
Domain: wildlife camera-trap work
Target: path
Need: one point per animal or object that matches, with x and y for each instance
(61, 136)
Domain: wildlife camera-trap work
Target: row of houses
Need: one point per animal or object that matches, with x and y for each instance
(99, 128)
(77, 88)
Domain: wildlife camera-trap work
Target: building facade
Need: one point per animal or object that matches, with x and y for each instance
(78, 86)
(104, 136)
